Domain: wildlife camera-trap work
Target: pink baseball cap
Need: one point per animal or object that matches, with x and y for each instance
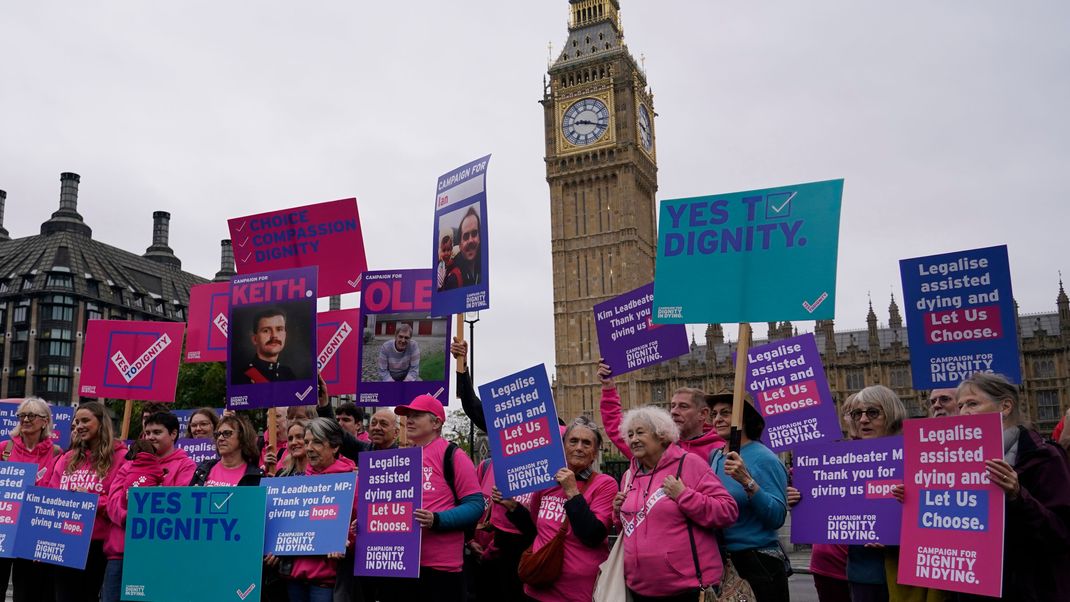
(423, 403)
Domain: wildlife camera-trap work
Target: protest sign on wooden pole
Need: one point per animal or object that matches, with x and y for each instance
(128, 410)
(271, 438)
(738, 399)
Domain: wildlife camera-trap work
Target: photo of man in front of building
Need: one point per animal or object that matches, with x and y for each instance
(399, 358)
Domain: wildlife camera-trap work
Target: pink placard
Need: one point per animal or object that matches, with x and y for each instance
(327, 235)
(206, 339)
(337, 335)
(131, 360)
(953, 518)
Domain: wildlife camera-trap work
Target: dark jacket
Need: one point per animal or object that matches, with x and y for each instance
(1036, 548)
(250, 479)
(470, 403)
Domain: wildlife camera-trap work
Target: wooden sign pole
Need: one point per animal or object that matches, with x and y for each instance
(740, 386)
(128, 411)
(272, 426)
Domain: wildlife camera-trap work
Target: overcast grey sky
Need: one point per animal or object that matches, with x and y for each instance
(947, 119)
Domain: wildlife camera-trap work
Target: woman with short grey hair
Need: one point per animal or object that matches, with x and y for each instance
(669, 505)
(656, 420)
(578, 512)
(31, 441)
(313, 578)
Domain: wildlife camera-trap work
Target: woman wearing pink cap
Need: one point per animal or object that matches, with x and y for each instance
(450, 506)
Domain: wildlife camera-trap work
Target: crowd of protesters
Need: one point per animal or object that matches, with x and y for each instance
(685, 508)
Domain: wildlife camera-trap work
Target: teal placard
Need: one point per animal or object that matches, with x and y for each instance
(194, 543)
(754, 256)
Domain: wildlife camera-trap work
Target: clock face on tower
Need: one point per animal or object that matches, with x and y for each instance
(646, 136)
(585, 121)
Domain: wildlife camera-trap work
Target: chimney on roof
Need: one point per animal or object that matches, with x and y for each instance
(159, 251)
(67, 218)
(226, 262)
(3, 231)
(68, 191)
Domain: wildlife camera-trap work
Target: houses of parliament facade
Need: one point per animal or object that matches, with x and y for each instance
(601, 167)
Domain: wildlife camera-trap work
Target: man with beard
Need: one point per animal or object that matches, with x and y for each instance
(470, 259)
(268, 339)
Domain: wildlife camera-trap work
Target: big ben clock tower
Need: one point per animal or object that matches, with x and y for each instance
(602, 169)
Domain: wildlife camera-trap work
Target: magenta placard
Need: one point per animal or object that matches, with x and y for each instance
(131, 360)
(337, 349)
(327, 235)
(206, 337)
(953, 518)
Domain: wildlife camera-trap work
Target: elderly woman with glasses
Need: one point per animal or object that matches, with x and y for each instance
(238, 462)
(30, 441)
(877, 412)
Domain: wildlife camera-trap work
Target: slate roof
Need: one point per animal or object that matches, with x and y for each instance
(25, 264)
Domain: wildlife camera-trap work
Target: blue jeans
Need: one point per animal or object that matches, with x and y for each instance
(112, 589)
(301, 591)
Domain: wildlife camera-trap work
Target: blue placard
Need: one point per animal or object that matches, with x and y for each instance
(61, 420)
(308, 516)
(960, 317)
(459, 258)
(525, 439)
(15, 477)
(754, 256)
(193, 543)
(56, 526)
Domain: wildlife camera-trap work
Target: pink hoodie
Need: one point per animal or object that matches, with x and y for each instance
(85, 478)
(43, 455)
(702, 446)
(657, 549)
(321, 569)
(145, 470)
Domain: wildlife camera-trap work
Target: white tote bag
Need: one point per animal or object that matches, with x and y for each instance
(610, 585)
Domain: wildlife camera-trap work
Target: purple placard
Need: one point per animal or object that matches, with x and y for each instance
(198, 450)
(404, 352)
(459, 256)
(271, 356)
(846, 492)
(628, 340)
(388, 490)
(788, 384)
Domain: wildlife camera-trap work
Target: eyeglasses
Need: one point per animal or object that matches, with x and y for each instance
(871, 413)
(223, 434)
(26, 416)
